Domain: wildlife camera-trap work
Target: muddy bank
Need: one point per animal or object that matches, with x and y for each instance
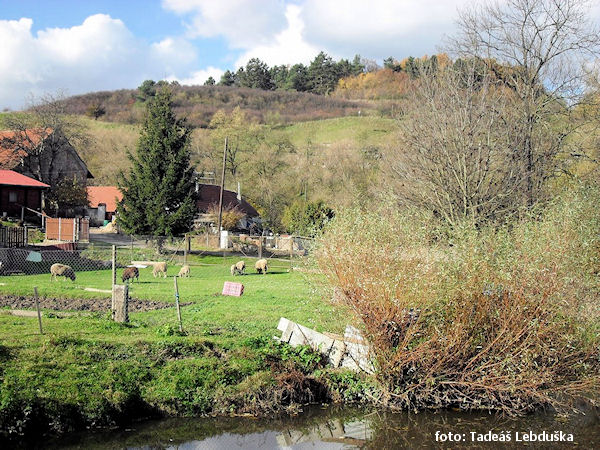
(78, 304)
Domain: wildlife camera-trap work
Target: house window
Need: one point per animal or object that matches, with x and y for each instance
(12, 197)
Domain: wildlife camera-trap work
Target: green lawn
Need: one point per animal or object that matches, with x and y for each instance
(266, 298)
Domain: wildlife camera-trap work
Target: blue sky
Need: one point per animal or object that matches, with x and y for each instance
(78, 46)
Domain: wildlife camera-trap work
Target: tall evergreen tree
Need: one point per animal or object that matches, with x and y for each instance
(257, 75)
(322, 74)
(158, 191)
(358, 66)
(297, 78)
(227, 79)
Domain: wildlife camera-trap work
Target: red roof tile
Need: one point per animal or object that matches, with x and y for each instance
(12, 178)
(109, 195)
(13, 144)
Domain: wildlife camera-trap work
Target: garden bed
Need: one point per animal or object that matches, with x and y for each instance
(78, 304)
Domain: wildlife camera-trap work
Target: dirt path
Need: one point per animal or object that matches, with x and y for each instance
(77, 304)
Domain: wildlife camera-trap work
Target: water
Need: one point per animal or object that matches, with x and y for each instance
(342, 428)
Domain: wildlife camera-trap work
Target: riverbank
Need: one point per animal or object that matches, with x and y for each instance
(55, 384)
(88, 371)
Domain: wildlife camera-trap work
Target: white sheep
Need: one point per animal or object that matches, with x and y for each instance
(160, 267)
(261, 266)
(238, 268)
(184, 271)
(61, 270)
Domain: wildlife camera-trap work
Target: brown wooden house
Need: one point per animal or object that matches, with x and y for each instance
(43, 154)
(18, 192)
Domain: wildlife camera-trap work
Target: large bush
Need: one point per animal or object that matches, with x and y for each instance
(500, 318)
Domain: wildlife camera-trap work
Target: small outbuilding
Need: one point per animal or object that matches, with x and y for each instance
(103, 202)
(20, 195)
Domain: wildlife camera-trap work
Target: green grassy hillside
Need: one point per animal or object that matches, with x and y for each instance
(110, 140)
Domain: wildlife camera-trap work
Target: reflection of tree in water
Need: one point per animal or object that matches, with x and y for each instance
(349, 427)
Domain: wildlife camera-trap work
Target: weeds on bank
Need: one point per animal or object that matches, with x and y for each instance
(501, 318)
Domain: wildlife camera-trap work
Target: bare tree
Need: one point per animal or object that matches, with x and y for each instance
(540, 48)
(38, 136)
(456, 152)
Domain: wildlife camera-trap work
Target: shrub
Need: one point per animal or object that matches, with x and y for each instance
(229, 218)
(493, 318)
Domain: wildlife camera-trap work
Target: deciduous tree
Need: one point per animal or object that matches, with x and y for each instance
(544, 45)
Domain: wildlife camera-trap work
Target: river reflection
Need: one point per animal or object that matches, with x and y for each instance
(342, 428)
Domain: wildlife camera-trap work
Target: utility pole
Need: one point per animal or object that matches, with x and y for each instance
(221, 193)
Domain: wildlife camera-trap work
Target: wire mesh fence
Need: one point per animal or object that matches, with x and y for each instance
(20, 261)
(283, 251)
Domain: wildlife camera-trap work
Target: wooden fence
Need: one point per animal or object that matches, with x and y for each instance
(72, 230)
(13, 236)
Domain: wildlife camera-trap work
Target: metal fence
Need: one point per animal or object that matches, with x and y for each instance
(13, 236)
(34, 261)
(281, 251)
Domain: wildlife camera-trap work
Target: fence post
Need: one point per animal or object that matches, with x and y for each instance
(59, 229)
(177, 304)
(114, 274)
(120, 309)
(185, 248)
(37, 306)
(291, 252)
(260, 244)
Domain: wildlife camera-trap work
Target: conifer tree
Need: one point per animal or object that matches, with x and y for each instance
(158, 191)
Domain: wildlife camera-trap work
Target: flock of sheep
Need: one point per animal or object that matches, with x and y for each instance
(159, 269)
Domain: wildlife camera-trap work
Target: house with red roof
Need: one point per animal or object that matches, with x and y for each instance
(43, 154)
(208, 195)
(103, 203)
(20, 194)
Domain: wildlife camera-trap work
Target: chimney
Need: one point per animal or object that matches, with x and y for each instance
(239, 196)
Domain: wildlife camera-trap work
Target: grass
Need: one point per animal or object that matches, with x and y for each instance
(365, 130)
(88, 370)
(266, 297)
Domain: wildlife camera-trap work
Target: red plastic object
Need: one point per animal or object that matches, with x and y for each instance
(233, 289)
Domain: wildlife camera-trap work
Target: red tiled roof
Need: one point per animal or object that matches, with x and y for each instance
(14, 143)
(209, 195)
(109, 195)
(12, 178)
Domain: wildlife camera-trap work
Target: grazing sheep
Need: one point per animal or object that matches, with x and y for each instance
(184, 271)
(238, 268)
(130, 273)
(61, 270)
(160, 267)
(261, 266)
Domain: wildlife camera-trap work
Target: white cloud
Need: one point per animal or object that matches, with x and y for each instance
(99, 54)
(286, 32)
(199, 77)
(244, 23)
(288, 46)
(379, 28)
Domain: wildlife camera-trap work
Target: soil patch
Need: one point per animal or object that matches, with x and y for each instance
(78, 304)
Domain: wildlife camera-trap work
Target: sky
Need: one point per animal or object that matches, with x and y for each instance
(78, 46)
